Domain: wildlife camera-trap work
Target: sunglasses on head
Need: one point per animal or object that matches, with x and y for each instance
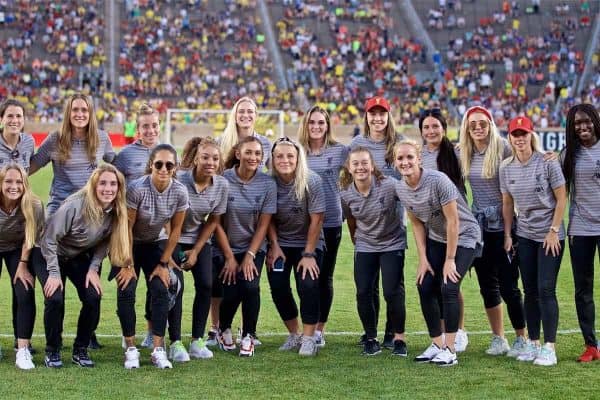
(284, 139)
(431, 112)
(482, 124)
(160, 164)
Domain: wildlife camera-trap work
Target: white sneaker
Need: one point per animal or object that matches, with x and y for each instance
(546, 357)
(518, 347)
(529, 353)
(198, 349)
(148, 342)
(291, 343)
(498, 347)
(212, 339)
(445, 358)
(226, 340)
(159, 358)
(132, 358)
(429, 354)
(247, 346)
(319, 339)
(23, 359)
(178, 353)
(308, 347)
(461, 341)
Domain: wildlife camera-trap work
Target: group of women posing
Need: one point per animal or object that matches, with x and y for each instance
(218, 214)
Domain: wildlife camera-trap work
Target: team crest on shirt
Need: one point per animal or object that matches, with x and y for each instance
(296, 210)
(539, 185)
(597, 170)
(231, 199)
(329, 161)
(92, 166)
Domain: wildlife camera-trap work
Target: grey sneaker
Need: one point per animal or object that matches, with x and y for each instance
(308, 347)
(529, 353)
(461, 341)
(148, 342)
(546, 357)
(198, 349)
(518, 347)
(291, 343)
(498, 347)
(320, 339)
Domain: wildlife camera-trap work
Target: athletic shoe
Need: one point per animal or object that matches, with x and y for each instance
(198, 349)
(291, 343)
(212, 338)
(590, 354)
(94, 344)
(529, 353)
(319, 339)
(226, 341)
(53, 360)
(546, 357)
(388, 341)
(82, 358)
(256, 341)
(461, 341)
(445, 358)
(247, 346)
(159, 358)
(148, 341)
(371, 348)
(429, 354)
(362, 340)
(23, 359)
(518, 347)
(308, 347)
(498, 347)
(400, 348)
(132, 358)
(32, 351)
(178, 353)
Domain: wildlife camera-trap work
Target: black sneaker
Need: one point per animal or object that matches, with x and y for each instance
(94, 344)
(388, 341)
(53, 360)
(371, 348)
(362, 340)
(399, 348)
(81, 358)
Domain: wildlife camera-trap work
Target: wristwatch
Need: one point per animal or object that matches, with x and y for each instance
(554, 229)
(309, 254)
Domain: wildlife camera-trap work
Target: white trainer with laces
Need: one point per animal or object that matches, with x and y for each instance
(226, 340)
(291, 343)
(445, 358)
(429, 354)
(178, 353)
(518, 347)
(461, 341)
(23, 359)
(308, 347)
(498, 347)
(132, 358)
(546, 357)
(529, 353)
(247, 346)
(159, 358)
(198, 349)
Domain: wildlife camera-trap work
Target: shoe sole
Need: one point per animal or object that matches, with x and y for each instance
(371, 354)
(443, 365)
(399, 354)
(52, 366)
(131, 366)
(82, 365)
(423, 361)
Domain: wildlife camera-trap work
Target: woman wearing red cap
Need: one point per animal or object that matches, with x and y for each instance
(379, 137)
(536, 190)
(481, 153)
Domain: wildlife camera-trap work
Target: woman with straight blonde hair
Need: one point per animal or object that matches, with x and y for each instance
(21, 220)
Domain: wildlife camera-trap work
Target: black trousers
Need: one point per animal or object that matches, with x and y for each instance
(23, 299)
(76, 270)
(333, 237)
(203, 282)
(245, 292)
(308, 288)
(366, 277)
(583, 251)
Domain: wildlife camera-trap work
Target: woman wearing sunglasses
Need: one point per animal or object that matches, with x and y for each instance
(296, 239)
(251, 203)
(581, 166)
(379, 137)
(536, 190)
(21, 221)
(481, 153)
(15, 145)
(154, 201)
(326, 157)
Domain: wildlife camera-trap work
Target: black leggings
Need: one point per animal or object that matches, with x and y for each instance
(366, 277)
(203, 282)
(433, 291)
(499, 278)
(308, 288)
(583, 249)
(76, 270)
(333, 237)
(245, 292)
(23, 299)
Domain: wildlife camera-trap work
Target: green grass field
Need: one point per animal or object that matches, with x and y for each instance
(339, 371)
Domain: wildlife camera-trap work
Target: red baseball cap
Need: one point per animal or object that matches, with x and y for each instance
(520, 123)
(377, 101)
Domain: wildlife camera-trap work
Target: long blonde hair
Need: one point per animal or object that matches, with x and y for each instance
(230, 134)
(119, 250)
(303, 129)
(302, 171)
(66, 130)
(28, 203)
(494, 153)
(535, 147)
(346, 177)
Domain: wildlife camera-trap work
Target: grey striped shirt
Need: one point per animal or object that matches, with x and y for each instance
(132, 160)
(21, 154)
(429, 158)
(154, 209)
(292, 219)
(531, 187)
(12, 227)
(68, 234)
(377, 229)
(246, 202)
(74, 173)
(212, 200)
(327, 165)
(584, 213)
(425, 202)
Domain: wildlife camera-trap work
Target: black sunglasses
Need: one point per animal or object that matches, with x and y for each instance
(284, 139)
(431, 112)
(159, 165)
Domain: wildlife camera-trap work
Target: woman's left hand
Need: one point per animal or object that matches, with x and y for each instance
(550, 156)
(308, 264)
(92, 278)
(249, 268)
(450, 271)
